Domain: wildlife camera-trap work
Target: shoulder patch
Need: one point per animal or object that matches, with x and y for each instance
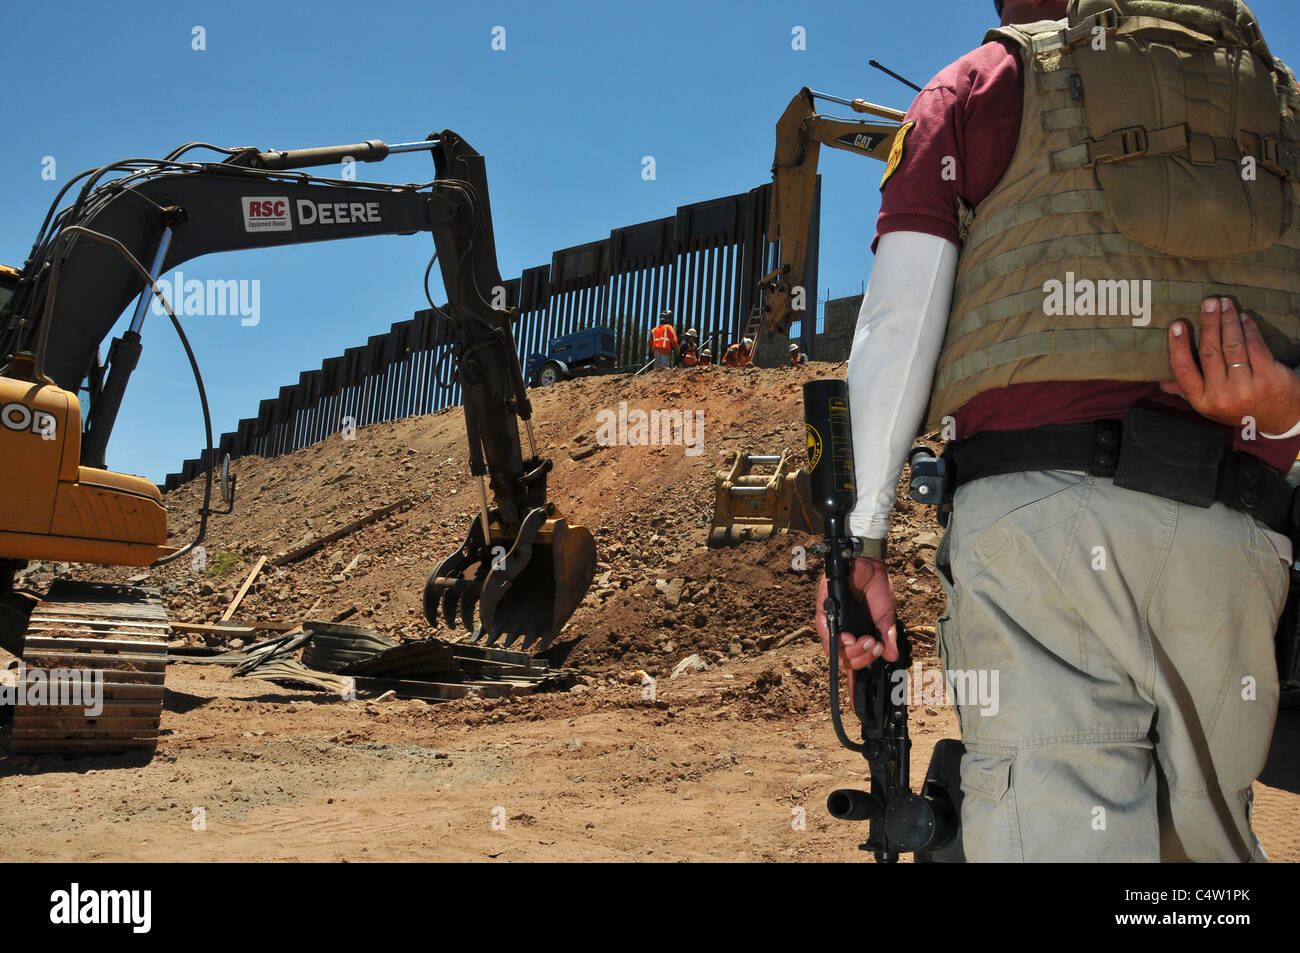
(896, 151)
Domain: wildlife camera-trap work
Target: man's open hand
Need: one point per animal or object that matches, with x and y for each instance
(1238, 376)
(869, 582)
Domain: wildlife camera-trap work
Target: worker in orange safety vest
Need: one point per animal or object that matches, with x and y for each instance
(689, 352)
(740, 354)
(663, 340)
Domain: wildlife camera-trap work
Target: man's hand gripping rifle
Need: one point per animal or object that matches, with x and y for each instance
(926, 823)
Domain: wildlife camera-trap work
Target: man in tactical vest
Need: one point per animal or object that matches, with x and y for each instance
(1087, 278)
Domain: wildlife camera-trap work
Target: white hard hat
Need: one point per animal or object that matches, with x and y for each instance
(794, 346)
(749, 342)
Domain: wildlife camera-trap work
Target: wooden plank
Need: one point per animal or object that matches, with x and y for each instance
(272, 626)
(243, 590)
(75, 718)
(307, 549)
(197, 628)
(515, 678)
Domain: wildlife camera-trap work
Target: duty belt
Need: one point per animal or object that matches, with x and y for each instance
(1150, 452)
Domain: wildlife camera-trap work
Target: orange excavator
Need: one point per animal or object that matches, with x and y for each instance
(522, 568)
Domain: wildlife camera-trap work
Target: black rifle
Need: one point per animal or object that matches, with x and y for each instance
(927, 823)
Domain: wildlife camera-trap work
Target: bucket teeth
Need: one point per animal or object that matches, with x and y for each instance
(467, 602)
(449, 608)
(522, 597)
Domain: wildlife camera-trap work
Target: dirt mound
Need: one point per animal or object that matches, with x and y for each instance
(660, 594)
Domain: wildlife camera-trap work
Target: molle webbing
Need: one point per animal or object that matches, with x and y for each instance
(1156, 165)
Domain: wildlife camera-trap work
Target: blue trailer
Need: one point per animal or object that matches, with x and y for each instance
(591, 351)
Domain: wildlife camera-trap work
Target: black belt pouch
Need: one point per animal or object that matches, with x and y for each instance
(1173, 458)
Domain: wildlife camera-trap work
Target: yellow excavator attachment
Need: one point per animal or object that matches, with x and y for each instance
(526, 581)
(750, 505)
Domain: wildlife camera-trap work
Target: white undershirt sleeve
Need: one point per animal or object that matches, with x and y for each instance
(896, 347)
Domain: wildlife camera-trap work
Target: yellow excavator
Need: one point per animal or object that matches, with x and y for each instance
(800, 133)
(522, 568)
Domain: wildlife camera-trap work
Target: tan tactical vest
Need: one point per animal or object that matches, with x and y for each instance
(1158, 143)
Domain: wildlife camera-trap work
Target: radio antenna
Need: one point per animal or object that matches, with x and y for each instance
(886, 69)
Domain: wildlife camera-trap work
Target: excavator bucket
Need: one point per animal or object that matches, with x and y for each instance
(751, 505)
(525, 581)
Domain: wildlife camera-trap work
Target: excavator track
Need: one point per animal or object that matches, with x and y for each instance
(115, 639)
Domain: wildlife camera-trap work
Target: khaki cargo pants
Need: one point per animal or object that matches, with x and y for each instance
(1131, 638)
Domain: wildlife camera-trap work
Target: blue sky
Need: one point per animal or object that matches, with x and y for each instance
(563, 115)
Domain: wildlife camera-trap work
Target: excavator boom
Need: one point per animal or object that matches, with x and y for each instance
(800, 133)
